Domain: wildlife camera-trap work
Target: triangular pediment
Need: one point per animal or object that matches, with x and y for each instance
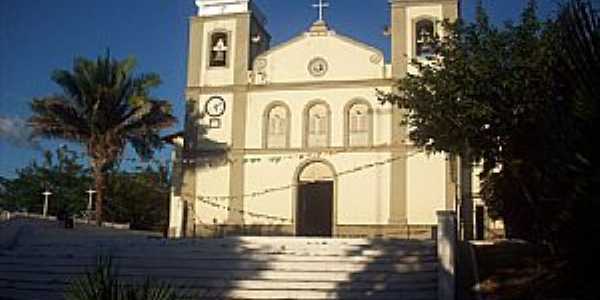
(320, 55)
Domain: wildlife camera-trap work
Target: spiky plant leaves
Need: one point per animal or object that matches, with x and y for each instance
(103, 283)
(98, 284)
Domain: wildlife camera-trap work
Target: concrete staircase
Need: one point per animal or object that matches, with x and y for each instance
(45, 258)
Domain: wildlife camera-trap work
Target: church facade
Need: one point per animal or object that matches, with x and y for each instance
(292, 140)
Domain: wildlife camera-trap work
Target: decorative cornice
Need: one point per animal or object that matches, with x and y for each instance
(212, 8)
(405, 3)
(305, 150)
(304, 85)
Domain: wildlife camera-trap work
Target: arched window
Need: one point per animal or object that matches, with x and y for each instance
(219, 49)
(317, 125)
(359, 120)
(425, 38)
(277, 126)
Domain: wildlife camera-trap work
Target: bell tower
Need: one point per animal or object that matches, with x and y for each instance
(414, 23)
(224, 38)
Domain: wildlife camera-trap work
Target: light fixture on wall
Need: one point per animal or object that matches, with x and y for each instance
(256, 38)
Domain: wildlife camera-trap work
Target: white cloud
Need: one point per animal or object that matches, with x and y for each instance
(16, 132)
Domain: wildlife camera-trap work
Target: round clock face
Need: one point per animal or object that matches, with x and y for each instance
(317, 67)
(215, 106)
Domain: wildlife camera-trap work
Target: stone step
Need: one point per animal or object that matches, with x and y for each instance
(236, 269)
(247, 266)
(240, 263)
(44, 294)
(192, 257)
(57, 250)
(253, 243)
(54, 291)
(303, 294)
(363, 276)
(46, 259)
(404, 284)
(38, 293)
(250, 285)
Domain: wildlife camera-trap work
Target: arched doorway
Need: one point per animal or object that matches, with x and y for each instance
(315, 200)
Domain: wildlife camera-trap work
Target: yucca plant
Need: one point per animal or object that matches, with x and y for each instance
(104, 106)
(102, 283)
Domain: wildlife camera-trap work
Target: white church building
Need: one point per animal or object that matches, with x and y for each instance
(291, 139)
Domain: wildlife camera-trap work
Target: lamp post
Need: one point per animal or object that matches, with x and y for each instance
(46, 195)
(90, 193)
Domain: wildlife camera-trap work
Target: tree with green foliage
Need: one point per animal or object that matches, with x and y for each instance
(61, 173)
(103, 106)
(140, 198)
(523, 101)
(482, 98)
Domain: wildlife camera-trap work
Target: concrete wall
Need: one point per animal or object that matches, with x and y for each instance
(426, 187)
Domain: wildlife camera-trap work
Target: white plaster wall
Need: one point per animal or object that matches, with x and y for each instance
(217, 76)
(222, 134)
(221, 7)
(297, 101)
(268, 174)
(212, 182)
(362, 197)
(346, 59)
(426, 181)
(176, 214)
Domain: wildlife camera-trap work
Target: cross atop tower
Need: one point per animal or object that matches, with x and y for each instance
(321, 6)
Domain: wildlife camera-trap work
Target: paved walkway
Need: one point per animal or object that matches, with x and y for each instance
(43, 258)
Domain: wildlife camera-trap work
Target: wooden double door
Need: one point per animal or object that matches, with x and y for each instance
(314, 211)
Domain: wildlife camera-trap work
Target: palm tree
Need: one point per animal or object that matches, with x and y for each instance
(103, 106)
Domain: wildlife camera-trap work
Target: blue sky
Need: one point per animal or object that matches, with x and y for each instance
(39, 36)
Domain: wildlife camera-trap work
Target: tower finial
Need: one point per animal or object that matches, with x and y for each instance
(321, 6)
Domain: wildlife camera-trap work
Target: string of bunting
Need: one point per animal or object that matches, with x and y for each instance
(293, 185)
(244, 212)
(276, 158)
(269, 158)
(213, 160)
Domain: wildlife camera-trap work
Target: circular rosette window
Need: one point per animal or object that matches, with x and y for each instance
(318, 67)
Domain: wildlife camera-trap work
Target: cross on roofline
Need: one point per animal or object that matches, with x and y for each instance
(321, 6)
